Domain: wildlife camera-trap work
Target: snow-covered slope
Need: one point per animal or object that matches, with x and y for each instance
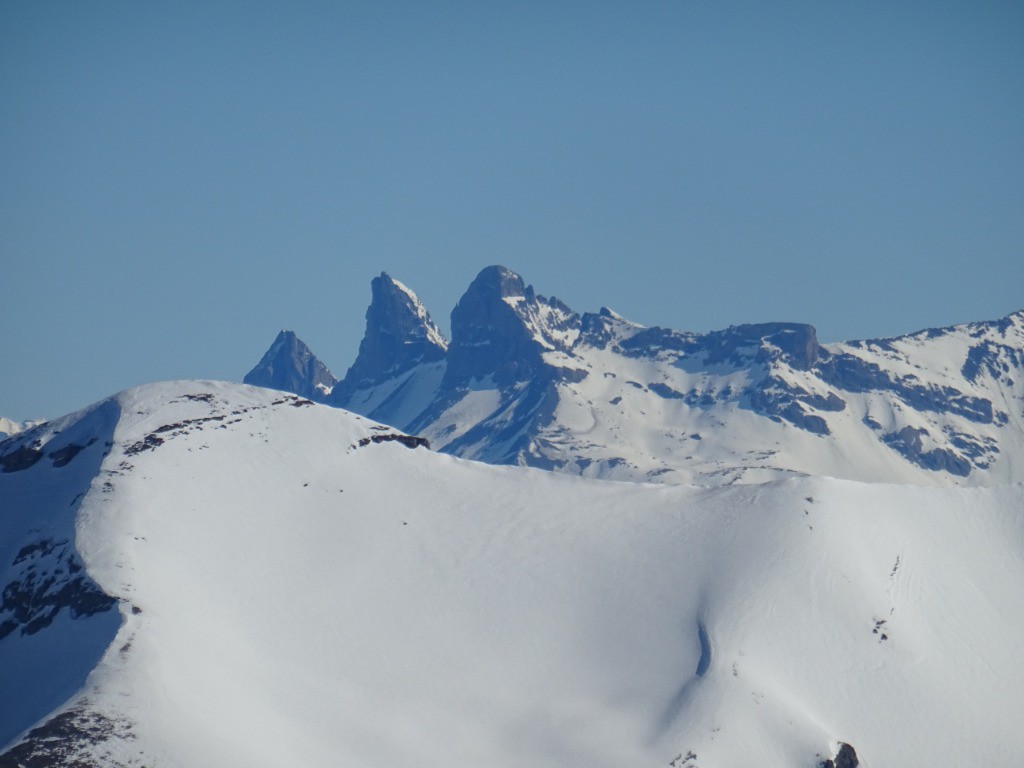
(290, 584)
(525, 380)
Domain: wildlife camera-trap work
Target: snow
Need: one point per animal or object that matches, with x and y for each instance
(39, 671)
(937, 407)
(612, 424)
(481, 400)
(618, 318)
(305, 601)
(434, 335)
(550, 326)
(9, 427)
(398, 400)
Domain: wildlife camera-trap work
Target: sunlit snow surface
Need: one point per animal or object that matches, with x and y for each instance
(290, 597)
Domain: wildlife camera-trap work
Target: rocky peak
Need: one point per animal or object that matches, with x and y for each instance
(606, 326)
(1012, 324)
(497, 282)
(400, 335)
(794, 343)
(396, 316)
(501, 328)
(797, 342)
(291, 366)
(846, 757)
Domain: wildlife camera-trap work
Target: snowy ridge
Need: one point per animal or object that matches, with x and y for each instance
(289, 590)
(597, 395)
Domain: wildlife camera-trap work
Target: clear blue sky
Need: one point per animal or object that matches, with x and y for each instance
(181, 180)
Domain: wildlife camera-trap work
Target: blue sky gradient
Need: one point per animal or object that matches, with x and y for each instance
(182, 180)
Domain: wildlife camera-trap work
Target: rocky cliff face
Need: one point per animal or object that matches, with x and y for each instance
(526, 380)
(501, 330)
(400, 336)
(289, 365)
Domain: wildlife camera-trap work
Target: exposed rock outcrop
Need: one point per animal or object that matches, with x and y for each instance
(291, 366)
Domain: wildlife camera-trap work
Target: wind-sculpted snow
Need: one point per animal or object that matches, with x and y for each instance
(293, 592)
(595, 394)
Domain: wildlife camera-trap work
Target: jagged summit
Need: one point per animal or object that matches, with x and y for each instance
(613, 315)
(497, 281)
(395, 301)
(291, 366)
(795, 343)
(501, 329)
(400, 335)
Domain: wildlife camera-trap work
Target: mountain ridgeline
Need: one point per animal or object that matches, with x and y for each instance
(526, 380)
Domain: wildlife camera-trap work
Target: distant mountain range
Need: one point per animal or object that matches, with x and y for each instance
(527, 380)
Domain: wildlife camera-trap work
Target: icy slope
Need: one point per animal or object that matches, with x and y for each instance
(294, 592)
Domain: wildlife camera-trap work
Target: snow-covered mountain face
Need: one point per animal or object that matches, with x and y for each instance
(289, 365)
(199, 573)
(525, 380)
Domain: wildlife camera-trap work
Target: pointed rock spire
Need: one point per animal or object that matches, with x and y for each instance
(601, 329)
(290, 365)
(501, 328)
(400, 335)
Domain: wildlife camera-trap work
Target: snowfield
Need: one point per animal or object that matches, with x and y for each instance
(288, 591)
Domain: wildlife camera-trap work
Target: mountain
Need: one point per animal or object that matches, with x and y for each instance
(199, 573)
(526, 380)
(289, 365)
(401, 344)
